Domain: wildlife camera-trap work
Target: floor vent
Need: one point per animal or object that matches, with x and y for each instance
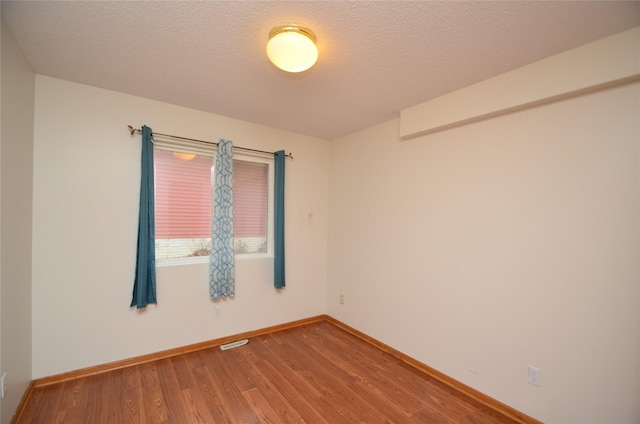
(235, 344)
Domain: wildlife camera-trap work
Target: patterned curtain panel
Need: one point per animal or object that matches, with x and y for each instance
(221, 262)
(144, 284)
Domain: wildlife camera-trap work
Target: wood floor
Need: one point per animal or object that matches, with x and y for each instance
(317, 373)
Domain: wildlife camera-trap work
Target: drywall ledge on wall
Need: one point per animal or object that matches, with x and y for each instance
(568, 74)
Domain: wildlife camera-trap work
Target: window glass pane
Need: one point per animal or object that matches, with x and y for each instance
(183, 204)
(250, 195)
(183, 198)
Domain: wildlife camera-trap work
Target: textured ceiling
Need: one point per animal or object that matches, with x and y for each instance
(376, 58)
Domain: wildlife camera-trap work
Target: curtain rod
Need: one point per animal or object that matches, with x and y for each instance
(139, 131)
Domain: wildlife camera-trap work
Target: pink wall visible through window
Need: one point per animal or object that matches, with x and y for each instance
(183, 195)
(250, 197)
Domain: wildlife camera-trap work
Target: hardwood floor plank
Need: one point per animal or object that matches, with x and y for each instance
(240, 367)
(153, 405)
(182, 366)
(211, 396)
(390, 399)
(229, 392)
(262, 408)
(186, 393)
(293, 363)
(412, 386)
(80, 402)
(392, 372)
(286, 386)
(332, 414)
(277, 353)
(111, 407)
(333, 383)
(172, 393)
(49, 402)
(315, 373)
(265, 387)
(132, 398)
(33, 405)
(198, 411)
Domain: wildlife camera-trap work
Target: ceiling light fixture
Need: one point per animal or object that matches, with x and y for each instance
(292, 47)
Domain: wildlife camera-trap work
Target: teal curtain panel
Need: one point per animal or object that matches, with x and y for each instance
(144, 284)
(278, 224)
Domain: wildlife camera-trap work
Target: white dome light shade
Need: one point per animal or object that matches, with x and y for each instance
(292, 48)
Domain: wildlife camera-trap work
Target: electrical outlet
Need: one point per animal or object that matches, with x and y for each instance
(342, 299)
(3, 384)
(217, 311)
(533, 375)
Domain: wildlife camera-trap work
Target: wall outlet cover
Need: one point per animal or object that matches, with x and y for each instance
(3, 385)
(533, 375)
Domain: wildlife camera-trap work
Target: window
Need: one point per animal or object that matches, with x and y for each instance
(183, 198)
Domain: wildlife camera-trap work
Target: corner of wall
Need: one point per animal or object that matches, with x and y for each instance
(16, 188)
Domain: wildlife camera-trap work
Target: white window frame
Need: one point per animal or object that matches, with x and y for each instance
(174, 146)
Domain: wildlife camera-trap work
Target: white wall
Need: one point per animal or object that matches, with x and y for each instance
(478, 250)
(86, 184)
(16, 170)
(509, 242)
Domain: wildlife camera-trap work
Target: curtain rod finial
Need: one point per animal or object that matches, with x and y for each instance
(131, 129)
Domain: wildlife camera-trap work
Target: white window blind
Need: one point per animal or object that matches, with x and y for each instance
(183, 198)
